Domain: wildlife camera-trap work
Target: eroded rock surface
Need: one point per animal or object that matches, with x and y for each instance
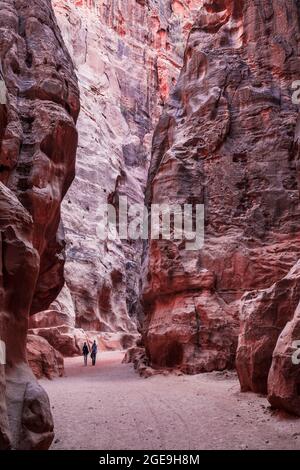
(229, 139)
(284, 375)
(69, 341)
(128, 55)
(38, 142)
(43, 359)
(268, 357)
(264, 315)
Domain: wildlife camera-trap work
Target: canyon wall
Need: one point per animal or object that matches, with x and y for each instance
(229, 139)
(128, 55)
(38, 140)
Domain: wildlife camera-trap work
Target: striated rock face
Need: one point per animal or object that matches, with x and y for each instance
(69, 341)
(43, 359)
(264, 314)
(59, 313)
(229, 139)
(284, 375)
(191, 330)
(65, 339)
(268, 357)
(37, 160)
(128, 55)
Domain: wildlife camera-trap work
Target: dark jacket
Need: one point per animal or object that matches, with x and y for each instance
(94, 349)
(85, 350)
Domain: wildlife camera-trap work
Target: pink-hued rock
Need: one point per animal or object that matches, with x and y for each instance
(284, 375)
(65, 339)
(128, 55)
(264, 315)
(43, 359)
(192, 331)
(38, 142)
(36, 434)
(60, 312)
(229, 139)
(69, 341)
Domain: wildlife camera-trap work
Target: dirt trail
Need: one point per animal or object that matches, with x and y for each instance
(110, 407)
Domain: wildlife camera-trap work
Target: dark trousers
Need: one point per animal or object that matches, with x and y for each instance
(94, 359)
(85, 359)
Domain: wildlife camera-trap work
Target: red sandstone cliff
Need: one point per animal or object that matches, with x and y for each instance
(229, 140)
(37, 161)
(128, 55)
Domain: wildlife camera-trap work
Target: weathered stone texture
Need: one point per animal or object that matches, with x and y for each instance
(38, 142)
(229, 139)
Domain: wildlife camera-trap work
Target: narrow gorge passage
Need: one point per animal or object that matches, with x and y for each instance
(110, 407)
(149, 208)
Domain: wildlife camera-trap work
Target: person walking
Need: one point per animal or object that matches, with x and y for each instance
(85, 352)
(94, 353)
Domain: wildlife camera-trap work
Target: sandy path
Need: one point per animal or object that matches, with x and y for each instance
(110, 407)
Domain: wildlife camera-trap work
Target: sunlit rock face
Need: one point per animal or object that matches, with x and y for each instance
(38, 140)
(229, 139)
(128, 55)
(44, 360)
